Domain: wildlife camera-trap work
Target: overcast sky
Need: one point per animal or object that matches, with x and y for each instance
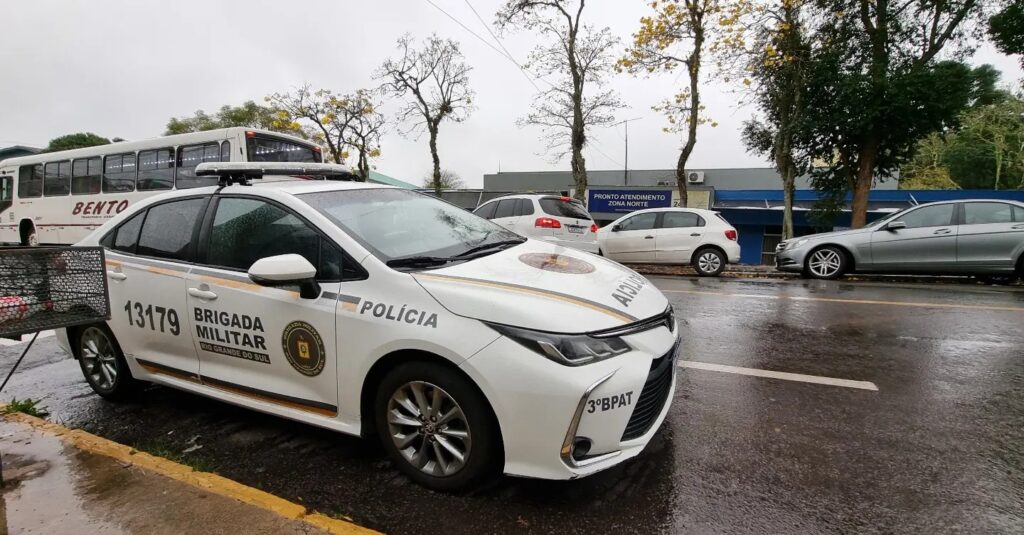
(122, 68)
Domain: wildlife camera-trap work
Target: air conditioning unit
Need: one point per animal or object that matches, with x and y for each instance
(695, 177)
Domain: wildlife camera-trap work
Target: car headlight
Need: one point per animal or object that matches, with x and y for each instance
(797, 243)
(567, 349)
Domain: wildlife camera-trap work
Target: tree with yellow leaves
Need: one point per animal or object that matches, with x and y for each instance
(676, 36)
(340, 122)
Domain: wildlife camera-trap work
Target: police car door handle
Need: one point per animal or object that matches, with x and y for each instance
(116, 275)
(202, 294)
(648, 237)
(942, 231)
(695, 234)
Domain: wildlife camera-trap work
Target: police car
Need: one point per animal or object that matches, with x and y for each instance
(468, 349)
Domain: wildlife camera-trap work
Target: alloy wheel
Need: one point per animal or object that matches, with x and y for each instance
(709, 262)
(100, 362)
(825, 263)
(429, 428)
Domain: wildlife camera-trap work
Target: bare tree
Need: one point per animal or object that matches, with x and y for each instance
(580, 57)
(437, 80)
(449, 180)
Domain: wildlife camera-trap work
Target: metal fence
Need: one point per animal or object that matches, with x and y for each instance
(44, 288)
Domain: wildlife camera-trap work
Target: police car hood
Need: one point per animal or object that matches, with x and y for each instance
(537, 285)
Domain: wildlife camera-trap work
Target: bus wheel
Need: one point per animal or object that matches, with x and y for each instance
(28, 235)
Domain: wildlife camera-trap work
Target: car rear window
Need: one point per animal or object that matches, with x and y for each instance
(559, 207)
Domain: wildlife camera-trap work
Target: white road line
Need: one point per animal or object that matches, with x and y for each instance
(24, 338)
(816, 379)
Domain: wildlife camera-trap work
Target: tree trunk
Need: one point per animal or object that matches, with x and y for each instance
(999, 163)
(437, 160)
(862, 183)
(363, 165)
(788, 192)
(693, 67)
(578, 136)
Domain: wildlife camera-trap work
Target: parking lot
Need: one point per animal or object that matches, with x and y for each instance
(801, 407)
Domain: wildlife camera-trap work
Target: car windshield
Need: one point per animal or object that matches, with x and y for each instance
(397, 224)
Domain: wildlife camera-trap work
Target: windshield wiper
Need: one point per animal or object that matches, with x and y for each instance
(418, 261)
(489, 246)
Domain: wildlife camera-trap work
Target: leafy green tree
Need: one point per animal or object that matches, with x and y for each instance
(249, 114)
(1007, 29)
(778, 62)
(76, 141)
(876, 87)
(928, 169)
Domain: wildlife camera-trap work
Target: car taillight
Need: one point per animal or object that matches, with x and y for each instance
(730, 234)
(593, 227)
(547, 222)
(250, 133)
(565, 199)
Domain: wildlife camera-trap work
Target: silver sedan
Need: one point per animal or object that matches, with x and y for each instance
(977, 237)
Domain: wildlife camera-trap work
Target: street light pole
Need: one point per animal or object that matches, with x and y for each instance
(625, 167)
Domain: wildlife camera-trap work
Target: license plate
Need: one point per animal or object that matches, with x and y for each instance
(575, 229)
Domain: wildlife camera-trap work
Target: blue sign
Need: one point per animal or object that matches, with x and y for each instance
(623, 201)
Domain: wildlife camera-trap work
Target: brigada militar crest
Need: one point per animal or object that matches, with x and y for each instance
(303, 348)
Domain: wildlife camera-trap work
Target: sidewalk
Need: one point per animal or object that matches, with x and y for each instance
(54, 486)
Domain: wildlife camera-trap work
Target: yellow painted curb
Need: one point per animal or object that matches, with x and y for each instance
(204, 480)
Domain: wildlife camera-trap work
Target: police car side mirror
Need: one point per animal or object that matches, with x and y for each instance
(616, 228)
(895, 225)
(286, 270)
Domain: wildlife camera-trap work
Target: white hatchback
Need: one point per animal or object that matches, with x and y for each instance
(702, 238)
(370, 310)
(559, 220)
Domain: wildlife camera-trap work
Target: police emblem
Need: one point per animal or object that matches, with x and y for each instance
(303, 348)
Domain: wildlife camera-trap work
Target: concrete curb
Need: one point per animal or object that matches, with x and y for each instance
(204, 480)
(741, 272)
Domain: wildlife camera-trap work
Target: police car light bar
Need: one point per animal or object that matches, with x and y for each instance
(242, 172)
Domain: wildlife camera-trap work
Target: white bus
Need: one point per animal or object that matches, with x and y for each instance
(59, 197)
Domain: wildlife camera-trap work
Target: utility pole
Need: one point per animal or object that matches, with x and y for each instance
(625, 167)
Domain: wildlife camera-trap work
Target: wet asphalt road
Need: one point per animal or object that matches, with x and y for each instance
(938, 448)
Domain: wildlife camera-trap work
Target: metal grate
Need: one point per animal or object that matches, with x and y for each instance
(45, 288)
(652, 396)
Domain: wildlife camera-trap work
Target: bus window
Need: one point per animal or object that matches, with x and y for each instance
(225, 151)
(85, 176)
(6, 191)
(119, 173)
(30, 181)
(156, 169)
(267, 149)
(189, 156)
(57, 179)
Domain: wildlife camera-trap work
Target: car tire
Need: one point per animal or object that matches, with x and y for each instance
(103, 364)
(709, 262)
(828, 263)
(421, 443)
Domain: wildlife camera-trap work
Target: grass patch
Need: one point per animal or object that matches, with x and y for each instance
(199, 463)
(27, 406)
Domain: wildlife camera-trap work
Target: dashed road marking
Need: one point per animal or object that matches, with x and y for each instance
(816, 379)
(851, 301)
(25, 338)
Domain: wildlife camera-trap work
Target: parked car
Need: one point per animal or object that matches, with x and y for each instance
(702, 238)
(466, 349)
(559, 220)
(984, 238)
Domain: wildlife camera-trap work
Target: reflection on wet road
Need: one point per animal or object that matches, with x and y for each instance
(938, 447)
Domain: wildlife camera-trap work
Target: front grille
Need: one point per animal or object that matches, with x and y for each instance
(665, 319)
(652, 398)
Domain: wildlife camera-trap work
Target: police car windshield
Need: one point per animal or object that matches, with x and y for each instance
(398, 224)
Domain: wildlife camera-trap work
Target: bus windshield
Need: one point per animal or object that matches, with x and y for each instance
(272, 149)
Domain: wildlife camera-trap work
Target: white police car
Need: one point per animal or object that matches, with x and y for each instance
(367, 309)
